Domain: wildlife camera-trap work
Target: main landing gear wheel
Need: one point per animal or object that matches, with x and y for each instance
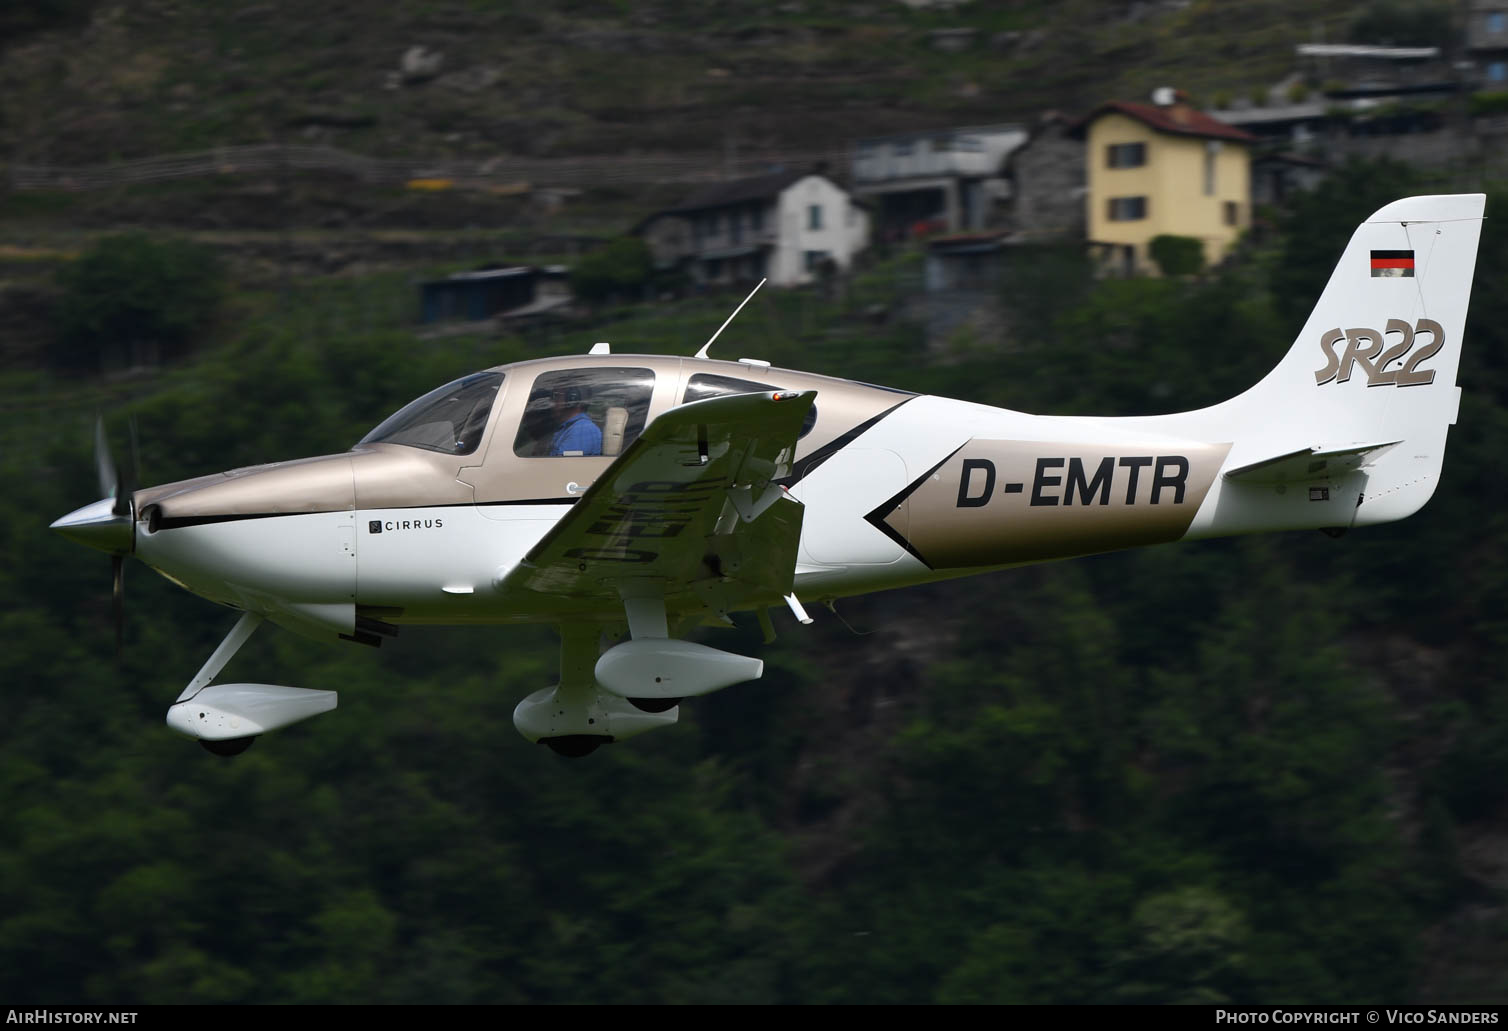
(654, 704)
(575, 746)
(233, 746)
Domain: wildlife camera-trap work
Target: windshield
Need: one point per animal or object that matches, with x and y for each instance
(449, 420)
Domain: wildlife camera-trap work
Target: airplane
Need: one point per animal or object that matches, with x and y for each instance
(628, 499)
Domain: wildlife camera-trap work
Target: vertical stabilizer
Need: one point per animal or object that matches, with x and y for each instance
(1360, 405)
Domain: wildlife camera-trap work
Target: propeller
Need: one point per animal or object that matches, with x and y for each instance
(110, 523)
(118, 600)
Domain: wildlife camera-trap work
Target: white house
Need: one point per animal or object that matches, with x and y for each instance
(791, 227)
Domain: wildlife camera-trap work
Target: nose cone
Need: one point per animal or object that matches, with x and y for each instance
(99, 527)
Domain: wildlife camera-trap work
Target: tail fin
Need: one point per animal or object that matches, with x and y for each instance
(1363, 399)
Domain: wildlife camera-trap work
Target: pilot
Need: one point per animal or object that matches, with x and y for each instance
(575, 433)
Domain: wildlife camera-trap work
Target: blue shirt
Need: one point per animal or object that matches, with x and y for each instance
(579, 434)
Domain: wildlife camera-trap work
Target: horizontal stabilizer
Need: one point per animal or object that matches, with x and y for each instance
(1322, 462)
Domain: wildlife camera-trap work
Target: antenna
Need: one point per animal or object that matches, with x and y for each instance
(707, 346)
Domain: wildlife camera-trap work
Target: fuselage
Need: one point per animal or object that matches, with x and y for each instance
(420, 524)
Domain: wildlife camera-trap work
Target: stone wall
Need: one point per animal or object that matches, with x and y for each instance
(1048, 183)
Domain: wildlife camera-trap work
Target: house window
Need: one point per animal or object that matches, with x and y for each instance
(1495, 22)
(1126, 155)
(1232, 213)
(1127, 209)
(812, 260)
(1497, 71)
(814, 216)
(1211, 152)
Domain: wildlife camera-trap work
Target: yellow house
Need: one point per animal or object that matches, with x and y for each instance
(1164, 168)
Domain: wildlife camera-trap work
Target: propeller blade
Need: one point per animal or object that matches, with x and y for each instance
(135, 458)
(125, 504)
(118, 600)
(104, 463)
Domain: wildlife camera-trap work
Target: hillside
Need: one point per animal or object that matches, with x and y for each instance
(1256, 770)
(118, 80)
(1250, 770)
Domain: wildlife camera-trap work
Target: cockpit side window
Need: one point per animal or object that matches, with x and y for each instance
(704, 385)
(449, 420)
(577, 413)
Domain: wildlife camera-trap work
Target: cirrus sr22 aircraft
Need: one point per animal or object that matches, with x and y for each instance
(628, 498)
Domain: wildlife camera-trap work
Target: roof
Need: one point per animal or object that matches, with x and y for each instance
(1000, 129)
(1353, 50)
(1288, 159)
(718, 253)
(1277, 113)
(1176, 120)
(965, 243)
(758, 187)
(489, 273)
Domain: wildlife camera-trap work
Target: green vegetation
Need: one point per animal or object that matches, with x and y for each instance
(619, 271)
(1177, 255)
(133, 298)
(1250, 770)
(652, 77)
(1405, 23)
(19, 18)
(1489, 103)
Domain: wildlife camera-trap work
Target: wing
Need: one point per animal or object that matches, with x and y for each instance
(691, 507)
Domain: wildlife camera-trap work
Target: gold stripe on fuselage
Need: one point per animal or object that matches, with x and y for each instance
(997, 502)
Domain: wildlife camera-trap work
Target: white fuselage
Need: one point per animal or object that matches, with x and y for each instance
(445, 563)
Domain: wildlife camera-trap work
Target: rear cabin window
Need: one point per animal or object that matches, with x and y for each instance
(581, 413)
(449, 419)
(704, 385)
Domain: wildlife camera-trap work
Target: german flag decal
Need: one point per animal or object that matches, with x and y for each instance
(1392, 264)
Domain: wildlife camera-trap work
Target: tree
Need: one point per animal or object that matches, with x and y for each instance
(1177, 255)
(135, 298)
(1404, 23)
(1319, 223)
(21, 17)
(620, 269)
